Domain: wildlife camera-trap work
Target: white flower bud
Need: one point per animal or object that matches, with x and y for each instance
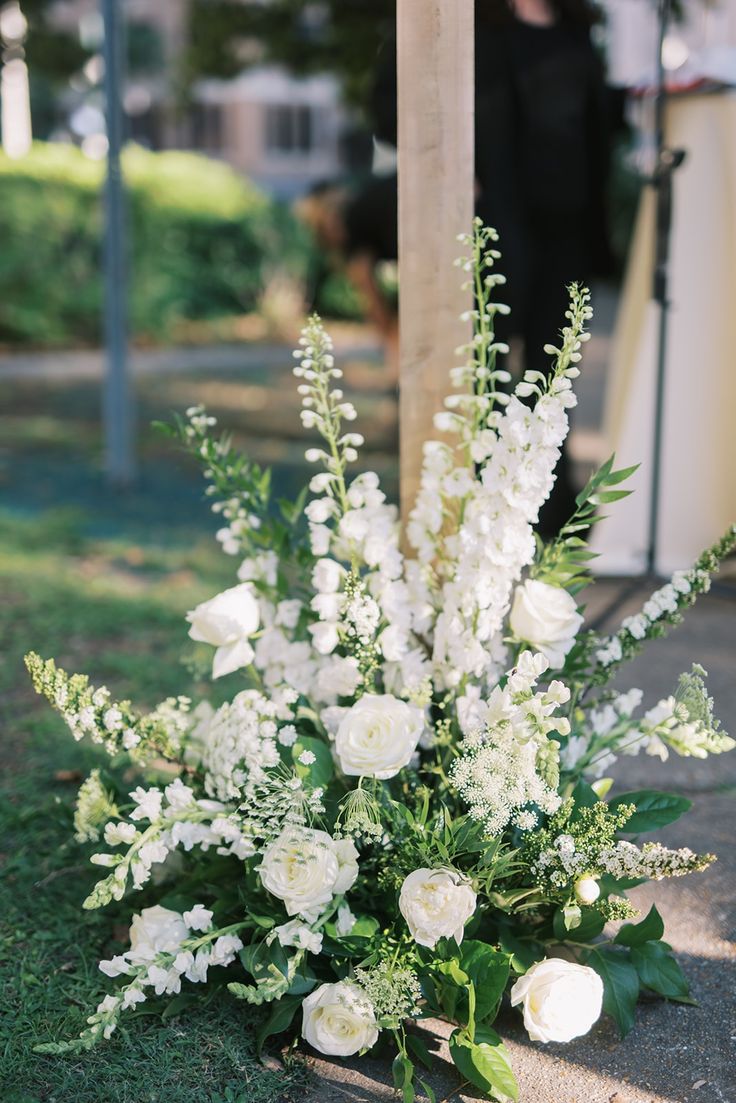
(587, 890)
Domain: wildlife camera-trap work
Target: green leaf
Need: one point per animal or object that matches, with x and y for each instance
(659, 971)
(524, 952)
(653, 809)
(419, 1050)
(591, 925)
(620, 985)
(485, 1063)
(403, 1073)
(280, 1019)
(322, 770)
(488, 969)
(636, 934)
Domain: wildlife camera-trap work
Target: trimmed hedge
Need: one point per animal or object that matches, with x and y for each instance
(202, 243)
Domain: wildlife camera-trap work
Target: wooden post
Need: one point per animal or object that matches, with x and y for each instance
(436, 173)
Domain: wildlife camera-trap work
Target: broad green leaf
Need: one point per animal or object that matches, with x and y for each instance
(524, 952)
(636, 934)
(403, 1073)
(653, 809)
(280, 1019)
(485, 1062)
(659, 971)
(322, 770)
(488, 969)
(591, 925)
(620, 985)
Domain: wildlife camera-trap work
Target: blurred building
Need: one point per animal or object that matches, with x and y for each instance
(283, 132)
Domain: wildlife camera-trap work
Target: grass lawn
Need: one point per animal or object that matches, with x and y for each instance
(113, 609)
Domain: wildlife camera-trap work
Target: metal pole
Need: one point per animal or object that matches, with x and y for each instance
(668, 160)
(117, 412)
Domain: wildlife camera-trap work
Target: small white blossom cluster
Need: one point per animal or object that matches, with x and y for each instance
(241, 742)
(499, 772)
(652, 861)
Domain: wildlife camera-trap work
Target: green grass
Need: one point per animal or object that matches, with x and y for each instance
(114, 610)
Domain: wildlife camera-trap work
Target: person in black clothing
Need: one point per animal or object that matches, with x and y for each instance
(541, 164)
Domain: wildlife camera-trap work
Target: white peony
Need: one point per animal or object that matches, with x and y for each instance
(305, 868)
(339, 1020)
(547, 618)
(436, 903)
(156, 930)
(378, 736)
(561, 1000)
(226, 622)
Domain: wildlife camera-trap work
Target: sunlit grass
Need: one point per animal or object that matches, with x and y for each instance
(113, 609)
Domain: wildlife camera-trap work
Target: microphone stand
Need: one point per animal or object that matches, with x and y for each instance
(667, 162)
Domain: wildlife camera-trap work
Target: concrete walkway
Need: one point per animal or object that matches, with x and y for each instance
(676, 1053)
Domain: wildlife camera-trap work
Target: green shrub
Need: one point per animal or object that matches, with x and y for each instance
(202, 243)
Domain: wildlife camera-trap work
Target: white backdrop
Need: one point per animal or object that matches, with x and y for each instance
(698, 492)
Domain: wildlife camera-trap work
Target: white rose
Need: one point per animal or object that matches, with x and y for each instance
(547, 618)
(377, 736)
(339, 1020)
(302, 867)
(156, 930)
(226, 622)
(436, 903)
(561, 1000)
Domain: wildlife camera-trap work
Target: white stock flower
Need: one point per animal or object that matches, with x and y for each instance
(199, 918)
(347, 860)
(339, 1020)
(561, 1000)
(325, 636)
(327, 576)
(305, 868)
(436, 903)
(377, 736)
(298, 934)
(226, 622)
(547, 618)
(156, 930)
(340, 677)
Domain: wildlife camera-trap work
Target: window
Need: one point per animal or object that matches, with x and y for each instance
(289, 128)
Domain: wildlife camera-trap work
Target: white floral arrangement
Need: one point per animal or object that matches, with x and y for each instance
(402, 812)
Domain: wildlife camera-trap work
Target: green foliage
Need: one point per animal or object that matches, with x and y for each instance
(484, 1060)
(566, 560)
(339, 36)
(620, 985)
(652, 809)
(203, 241)
(47, 965)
